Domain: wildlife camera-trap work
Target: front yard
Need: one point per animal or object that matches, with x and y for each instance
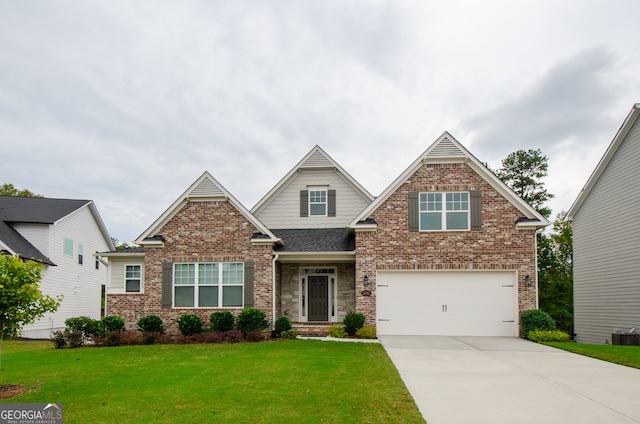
(623, 355)
(303, 381)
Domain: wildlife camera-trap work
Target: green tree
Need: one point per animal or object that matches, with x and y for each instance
(555, 273)
(523, 171)
(21, 301)
(8, 189)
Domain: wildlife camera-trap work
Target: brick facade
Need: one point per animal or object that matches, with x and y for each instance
(209, 231)
(498, 246)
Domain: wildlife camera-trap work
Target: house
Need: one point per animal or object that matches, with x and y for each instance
(606, 243)
(447, 248)
(64, 235)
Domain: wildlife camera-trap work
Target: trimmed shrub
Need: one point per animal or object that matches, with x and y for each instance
(536, 319)
(222, 321)
(150, 324)
(255, 336)
(337, 331)
(252, 319)
(112, 338)
(88, 327)
(366, 332)
(289, 334)
(74, 338)
(112, 323)
(353, 321)
(540, 336)
(59, 340)
(233, 336)
(282, 324)
(149, 337)
(189, 324)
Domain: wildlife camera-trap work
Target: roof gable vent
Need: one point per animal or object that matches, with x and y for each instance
(206, 188)
(446, 148)
(316, 160)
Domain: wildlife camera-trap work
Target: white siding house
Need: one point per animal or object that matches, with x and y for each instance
(64, 235)
(606, 241)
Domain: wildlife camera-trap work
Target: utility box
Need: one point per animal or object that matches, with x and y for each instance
(625, 337)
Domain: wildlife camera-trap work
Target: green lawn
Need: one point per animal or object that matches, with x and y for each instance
(623, 355)
(306, 381)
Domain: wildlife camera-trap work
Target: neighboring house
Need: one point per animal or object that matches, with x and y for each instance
(64, 235)
(446, 249)
(606, 242)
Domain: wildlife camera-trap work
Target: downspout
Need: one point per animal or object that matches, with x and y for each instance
(273, 291)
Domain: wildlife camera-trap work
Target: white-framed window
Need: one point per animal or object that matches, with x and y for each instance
(447, 211)
(208, 285)
(68, 247)
(317, 202)
(133, 278)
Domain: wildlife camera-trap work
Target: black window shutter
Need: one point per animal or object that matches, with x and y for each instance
(167, 284)
(331, 203)
(248, 284)
(304, 203)
(413, 211)
(476, 210)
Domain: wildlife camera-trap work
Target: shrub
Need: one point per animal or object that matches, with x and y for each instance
(74, 338)
(255, 336)
(353, 321)
(149, 337)
(150, 324)
(112, 323)
(366, 332)
(252, 319)
(535, 319)
(289, 334)
(233, 336)
(539, 336)
(282, 324)
(112, 338)
(88, 327)
(222, 321)
(59, 340)
(189, 324)
(337, 331)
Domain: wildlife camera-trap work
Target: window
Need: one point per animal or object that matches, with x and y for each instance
(68, 247)
(317, 202)
(80, 254)
(208, 285)
(444, 211)
(132, 278)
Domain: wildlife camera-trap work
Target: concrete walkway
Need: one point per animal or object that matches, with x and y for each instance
(508, 380)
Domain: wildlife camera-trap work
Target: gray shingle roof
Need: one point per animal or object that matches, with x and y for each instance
(315, 240)
(31, 210)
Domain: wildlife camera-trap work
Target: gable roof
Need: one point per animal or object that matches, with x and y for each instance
(38, 210)
(446, 149)
(604, 161)
(316, 240)
(205, 188)
(316, 159)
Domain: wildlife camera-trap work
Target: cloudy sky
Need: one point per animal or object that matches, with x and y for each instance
(128, 103)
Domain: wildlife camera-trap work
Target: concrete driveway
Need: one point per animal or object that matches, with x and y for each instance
(508, 380)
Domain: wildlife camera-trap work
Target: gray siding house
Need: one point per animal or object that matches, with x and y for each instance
(606, 240)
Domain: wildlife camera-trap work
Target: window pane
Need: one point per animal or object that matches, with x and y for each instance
(133, 286)
(430, 202)
(457, 221)
(232, 273)
(184, 297)
(133, 271)
(208, 296)
(184, 274)
(318, 209)
(207, 274)
(232, 296)
(68, 247)
(430, 221)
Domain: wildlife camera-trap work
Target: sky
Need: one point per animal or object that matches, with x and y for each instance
(128, 103)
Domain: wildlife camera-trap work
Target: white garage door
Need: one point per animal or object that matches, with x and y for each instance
(454, 303)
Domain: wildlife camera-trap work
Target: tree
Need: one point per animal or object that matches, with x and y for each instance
(555, 273)
(21, 301)
(523, 171)
(8, 189)
(121, 246)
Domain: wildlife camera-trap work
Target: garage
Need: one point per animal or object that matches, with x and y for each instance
(446, 303)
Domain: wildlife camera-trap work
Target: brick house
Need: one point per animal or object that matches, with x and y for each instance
(447, 248)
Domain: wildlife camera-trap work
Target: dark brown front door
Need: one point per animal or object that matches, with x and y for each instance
(318, 298)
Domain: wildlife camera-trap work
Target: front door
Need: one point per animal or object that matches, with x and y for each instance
(318, 298)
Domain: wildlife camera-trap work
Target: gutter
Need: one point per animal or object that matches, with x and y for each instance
(273, 291)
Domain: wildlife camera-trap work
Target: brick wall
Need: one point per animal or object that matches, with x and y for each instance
(498, 246)
(200, 232)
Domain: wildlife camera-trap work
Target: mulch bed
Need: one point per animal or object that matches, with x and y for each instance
(10, 390)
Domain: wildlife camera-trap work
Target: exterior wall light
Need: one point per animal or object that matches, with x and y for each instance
(527, 281)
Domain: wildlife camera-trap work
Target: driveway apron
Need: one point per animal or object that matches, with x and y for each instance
(509, 380)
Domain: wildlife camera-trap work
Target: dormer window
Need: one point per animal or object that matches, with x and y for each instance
(318, 202)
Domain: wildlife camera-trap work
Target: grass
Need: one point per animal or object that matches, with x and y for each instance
(623, 355)
(305, 381)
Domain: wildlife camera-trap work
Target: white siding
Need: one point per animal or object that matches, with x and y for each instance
(117, 271)
(79, 284)
(37, 234)
(284, 210)
(607, 248)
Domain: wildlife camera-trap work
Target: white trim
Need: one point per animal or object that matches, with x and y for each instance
(332, 297)
(323, 189)
(444, 211)
(310, 257)
(604, 161)
(124, 287)
(196, 285)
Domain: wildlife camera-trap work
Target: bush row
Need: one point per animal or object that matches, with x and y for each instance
(538, 326)
(353, 327)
